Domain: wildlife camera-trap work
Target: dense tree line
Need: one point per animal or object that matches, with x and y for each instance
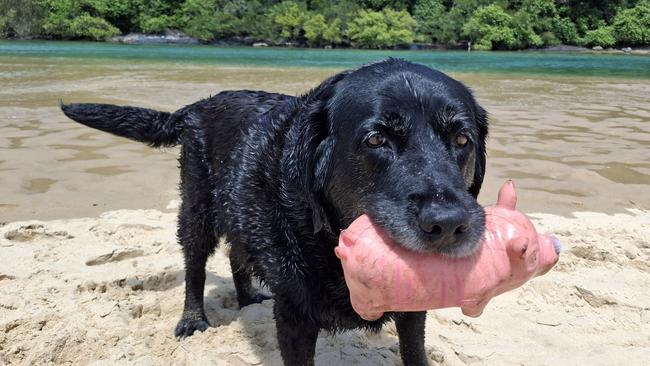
(506, 24)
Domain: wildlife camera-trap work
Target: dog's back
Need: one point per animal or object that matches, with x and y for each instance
(222, 117)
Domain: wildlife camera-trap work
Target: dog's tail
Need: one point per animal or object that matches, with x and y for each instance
(152, 127)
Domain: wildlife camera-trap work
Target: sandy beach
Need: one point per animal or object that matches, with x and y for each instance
(109, 290)
(91, 274)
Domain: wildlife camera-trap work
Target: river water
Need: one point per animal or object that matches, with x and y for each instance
(572, 130)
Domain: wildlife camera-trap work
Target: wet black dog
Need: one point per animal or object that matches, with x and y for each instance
(280, 176)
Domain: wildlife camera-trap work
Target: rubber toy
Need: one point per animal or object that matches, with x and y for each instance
(383, 276)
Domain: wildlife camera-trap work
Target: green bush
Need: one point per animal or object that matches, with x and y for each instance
(344, 10)
(122, 14)
(400, 26)
(540, 14)
(368, 29)
(334, 32)
(565, 30)
(81, 18)
(86, 26)
(549, 39)
(255, 23)
(154, 25)
(379, 5)
(429, 15)
(21, 18)
(202, 20)
(318, 32)
(290, 17)
(632, 26)
(525, 35)
(603, 36)
(3, 27)
(374, 29)
(490, 27)
(156, 16)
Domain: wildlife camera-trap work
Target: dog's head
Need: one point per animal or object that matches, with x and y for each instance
(404, 144)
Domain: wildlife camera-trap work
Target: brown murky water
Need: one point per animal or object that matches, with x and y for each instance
(570, 144)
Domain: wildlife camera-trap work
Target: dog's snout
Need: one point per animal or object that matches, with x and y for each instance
(444, 225)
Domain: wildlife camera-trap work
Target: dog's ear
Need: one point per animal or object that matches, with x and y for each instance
(322, 162)
(315, 149)
(481, 119)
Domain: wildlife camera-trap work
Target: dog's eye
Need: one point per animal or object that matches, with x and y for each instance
(376, 140)
(461, 140)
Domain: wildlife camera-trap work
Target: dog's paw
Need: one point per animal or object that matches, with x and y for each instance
(187, 327)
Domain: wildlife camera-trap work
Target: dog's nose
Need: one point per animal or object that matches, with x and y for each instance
(444, 225)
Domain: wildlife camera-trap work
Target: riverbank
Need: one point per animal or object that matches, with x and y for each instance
(177, 38)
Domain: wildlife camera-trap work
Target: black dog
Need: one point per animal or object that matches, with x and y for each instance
(280, 176)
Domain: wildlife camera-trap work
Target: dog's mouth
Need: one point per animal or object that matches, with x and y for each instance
(408, 236)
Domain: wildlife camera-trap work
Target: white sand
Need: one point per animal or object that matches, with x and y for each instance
(109, 290)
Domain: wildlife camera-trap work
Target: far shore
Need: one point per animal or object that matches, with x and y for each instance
(175, 38)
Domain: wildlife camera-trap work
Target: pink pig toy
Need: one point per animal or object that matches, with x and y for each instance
(384, 276)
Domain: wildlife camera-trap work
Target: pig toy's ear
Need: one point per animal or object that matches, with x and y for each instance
(507, 196)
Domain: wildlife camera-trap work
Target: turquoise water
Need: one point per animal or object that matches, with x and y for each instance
(534, 63)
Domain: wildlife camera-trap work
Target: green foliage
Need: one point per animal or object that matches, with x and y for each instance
(374, 29)
(206, 20)
(120, 13)
(87, 26)
(401, 26)
(20, 18)
(565, 30)
(549, 39)
(333, 34)
(490, 27)
(368, 29)
(525, 35)
(290, 17)
(457, 16)
(318, 32)
(534, 23)
(85, 19)
(603, 36)
(632, 26)
(489, 24)
(336, 9)
(429, 15)
(255, 23)
(3, 26)
(154, 25)
(156, 16)
(379, 5)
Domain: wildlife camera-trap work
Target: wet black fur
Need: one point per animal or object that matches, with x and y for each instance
(280, 176)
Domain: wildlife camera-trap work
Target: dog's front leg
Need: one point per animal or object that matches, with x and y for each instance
(410, 330)
(296, 337)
